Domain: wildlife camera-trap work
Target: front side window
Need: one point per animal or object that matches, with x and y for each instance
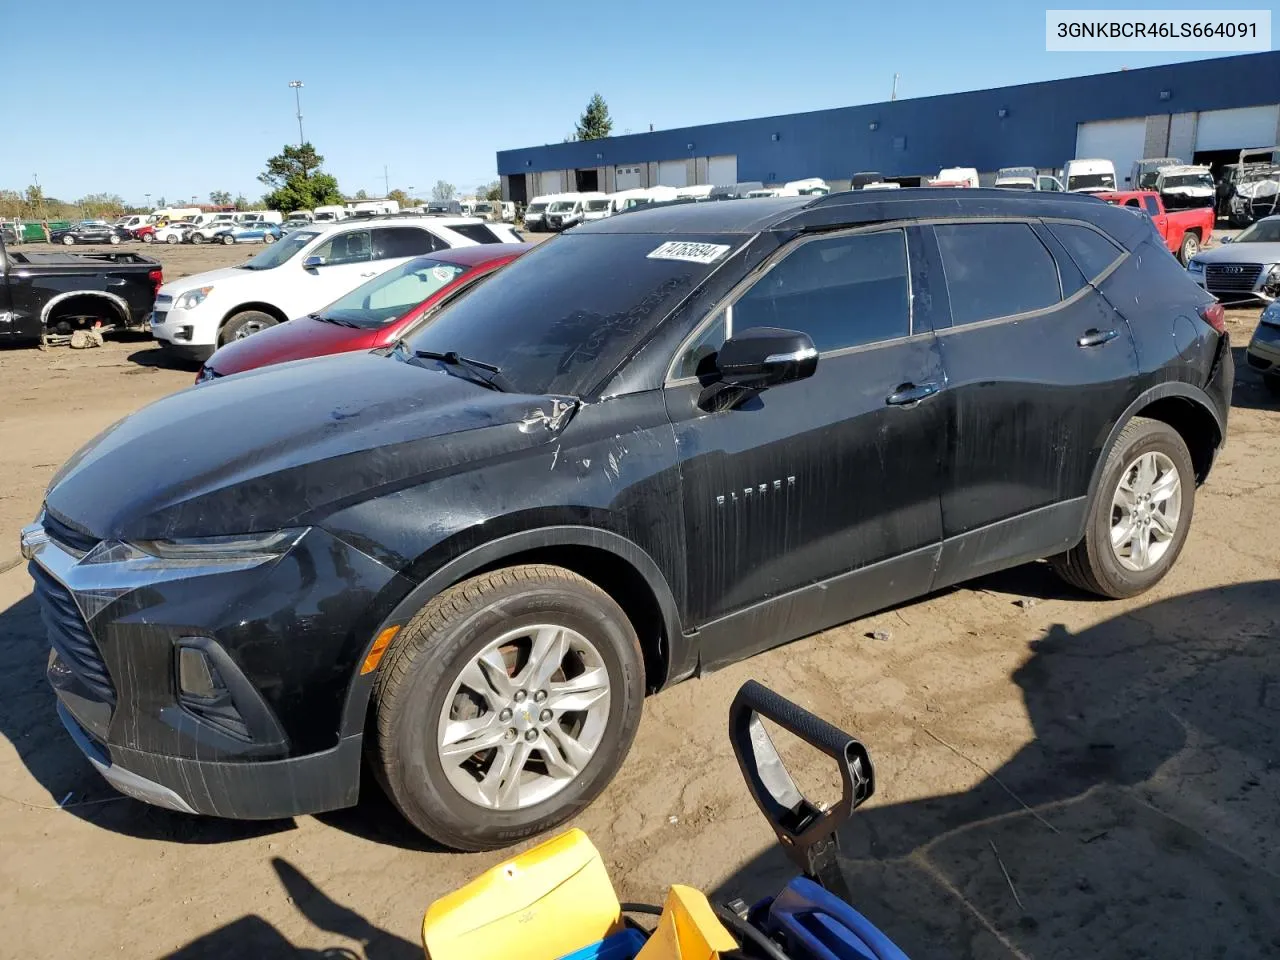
(390, 243)
(352, 247)
(845, 291)
(996, 270)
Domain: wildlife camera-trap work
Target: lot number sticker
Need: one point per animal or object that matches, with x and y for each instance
(693, 252)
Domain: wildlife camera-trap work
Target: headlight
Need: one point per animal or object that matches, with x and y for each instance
(193, 298)
(1271, 315)
(254, 547)
(1195, 266)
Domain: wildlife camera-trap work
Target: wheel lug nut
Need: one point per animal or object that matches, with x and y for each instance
(540, 696)
(531, 735)
(511, 733)
(504, 715)
(544, 716)
(520, 695)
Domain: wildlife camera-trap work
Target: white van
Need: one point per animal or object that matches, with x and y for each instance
(204, 219)
(700, 191)
(775, 192)
(327, 213)
(258, 216)
(1017, 178)
(301, 215)
(811, 187)
(535, 213)
(169, 214)
(1185, 187)
(1089, 176)
(956, 177)
(597, 208)
(1144, 172)
(638, 197)
(566, 210)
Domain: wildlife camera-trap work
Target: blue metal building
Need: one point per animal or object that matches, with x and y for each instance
(1204, 111)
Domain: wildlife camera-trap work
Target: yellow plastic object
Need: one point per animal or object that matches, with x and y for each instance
(546, 903)
(687, 930)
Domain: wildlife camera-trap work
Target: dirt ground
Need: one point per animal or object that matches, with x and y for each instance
(1057, 777)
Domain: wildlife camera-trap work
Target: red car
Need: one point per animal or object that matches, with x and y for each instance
(375, 314)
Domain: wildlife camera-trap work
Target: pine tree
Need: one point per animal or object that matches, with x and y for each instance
(595, 123)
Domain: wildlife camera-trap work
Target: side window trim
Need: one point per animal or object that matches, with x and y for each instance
(1111, 268)
(725, 304)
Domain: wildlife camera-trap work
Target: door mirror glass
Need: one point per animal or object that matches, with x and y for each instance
(310, 263)
(766, 356)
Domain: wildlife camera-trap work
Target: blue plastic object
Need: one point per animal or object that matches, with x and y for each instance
(619, 946)
(816, 925)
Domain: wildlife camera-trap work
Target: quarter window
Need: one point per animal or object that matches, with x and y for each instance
(1091, 251)
(996, 270)
(844, 291)
(350, 247)
(478, 232)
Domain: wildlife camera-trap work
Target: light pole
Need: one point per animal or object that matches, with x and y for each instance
(297, 100)
(148, 196)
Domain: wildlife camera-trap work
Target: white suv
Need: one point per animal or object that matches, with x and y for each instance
(305, 270)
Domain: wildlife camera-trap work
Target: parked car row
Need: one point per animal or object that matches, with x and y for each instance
(460, 559)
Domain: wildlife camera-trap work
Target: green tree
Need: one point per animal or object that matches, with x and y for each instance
(220, 198)
(101, 206)
(161, 203)
(400, 197)
(11, 203)
(443, 190)
(594, 123)
(361, 195)
(296, 181)
(489, 191)
(241, 202)
(35, 202)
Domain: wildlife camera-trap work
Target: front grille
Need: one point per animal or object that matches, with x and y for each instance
(75, 541)
(1231, 277)
(69, 634)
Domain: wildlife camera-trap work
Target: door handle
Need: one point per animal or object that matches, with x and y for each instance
(371, 273)
(1093, 337)
(909, 393)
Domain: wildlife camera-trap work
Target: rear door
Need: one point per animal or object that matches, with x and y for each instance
(817, 478)
(1039, 366)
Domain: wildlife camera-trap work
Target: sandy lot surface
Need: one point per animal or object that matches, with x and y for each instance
(1118, 761)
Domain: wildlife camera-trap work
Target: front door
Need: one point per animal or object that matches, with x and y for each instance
(348, 262)
(812, 479)
(1038, 365)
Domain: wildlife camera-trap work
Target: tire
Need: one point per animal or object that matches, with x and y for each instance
(1190, 247)
(68, 241)
(172, 239)
(115, 239)
(268, 238)
(149, 238)
(1094, 564)
(420, 685)
(245, 324)
(228, 239)
(197, 238)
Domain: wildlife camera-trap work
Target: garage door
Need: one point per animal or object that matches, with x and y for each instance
(722, 171)
(627, 178)
(673, 173)
(1237, 129)
(1120, 141)
(550, 181)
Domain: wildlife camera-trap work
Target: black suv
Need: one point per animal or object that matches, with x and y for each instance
(656, 444)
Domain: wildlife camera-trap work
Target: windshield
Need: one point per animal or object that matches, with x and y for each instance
(537, 207)
(1189, 180)
(598, 204)
(561, 318)
(1016, 172)
(393, 294)
(278, 253)
(561, 206)
(483, 208)
(1091, 181)
(1264, 231)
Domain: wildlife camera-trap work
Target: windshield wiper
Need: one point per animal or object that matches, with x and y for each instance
(333, 320)
(495, 380)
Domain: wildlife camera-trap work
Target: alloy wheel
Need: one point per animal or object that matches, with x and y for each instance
(524, 717)
(1145, 510)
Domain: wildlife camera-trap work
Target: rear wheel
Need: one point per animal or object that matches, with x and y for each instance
(115, 238)
(506, 705)
(1190, 247)
(197, 237)
(228, 239)
(68, 241)
(268, 238)
(149, 238)
(1140, 514)
(172, 238)
(245, 324)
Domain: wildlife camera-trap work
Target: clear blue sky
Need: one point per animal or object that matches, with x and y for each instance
(182, 97)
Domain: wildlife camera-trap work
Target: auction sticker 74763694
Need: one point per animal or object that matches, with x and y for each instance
(687, 250)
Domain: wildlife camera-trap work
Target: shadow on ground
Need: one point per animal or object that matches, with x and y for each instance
(1141, 820)
(1251, 392)
(155, 356)
(252, 936)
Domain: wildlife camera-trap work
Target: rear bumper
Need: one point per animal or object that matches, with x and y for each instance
(261, 790)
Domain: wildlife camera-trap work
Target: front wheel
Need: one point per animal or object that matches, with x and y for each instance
(68, 241)
(268, 238)
(115, 238)
(228, 239)
(1140, 514)
(149, 238)
(172, 238)
(197, 238)
(245, 324)
(506, 705)
(1190, 247)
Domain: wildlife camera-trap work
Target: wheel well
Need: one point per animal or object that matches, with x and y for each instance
(1195, 424)
(1195, 232)
(87, 305)
(266, 308)
(621, 581)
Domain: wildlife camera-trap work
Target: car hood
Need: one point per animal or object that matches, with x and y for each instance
(207, 279)
(295, 340)
(286, 445)
(1241, 253)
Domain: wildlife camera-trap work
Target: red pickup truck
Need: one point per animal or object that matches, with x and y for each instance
(1184, 231)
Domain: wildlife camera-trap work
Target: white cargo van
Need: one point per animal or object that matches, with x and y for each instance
(956, 177)
(700, 191)
(1144, 172)
(536, 212)
(258, 216)
(327, 213)
(566, 210)
(638, 197)
(1089, 176)
(812, 186)
(597, 208)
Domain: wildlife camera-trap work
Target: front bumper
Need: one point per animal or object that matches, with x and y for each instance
(116, 630)
(1263, 352)
(188, 331)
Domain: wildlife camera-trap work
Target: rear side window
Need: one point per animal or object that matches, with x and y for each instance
(843, 291)
(392, 242)
(996, 270)
(1091, 251)
(476, 231)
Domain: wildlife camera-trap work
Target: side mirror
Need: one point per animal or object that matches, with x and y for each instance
(310, 263)
(766, 356)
